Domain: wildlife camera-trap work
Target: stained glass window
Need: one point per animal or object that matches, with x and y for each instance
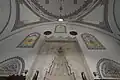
(29, 41)
(108, 68)
(14, 65)
(91, 41)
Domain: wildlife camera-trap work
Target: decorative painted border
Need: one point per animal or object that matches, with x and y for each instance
(115, 16)
(62, 26)
(104, 24)
(51, 16)
(17, 24)
(26, 38)
(17, 20)
(66, 16)
(8, 17)
(98, 65)
(98, 48)
(19, 58)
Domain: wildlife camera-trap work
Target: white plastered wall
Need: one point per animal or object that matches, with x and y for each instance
(8, 46)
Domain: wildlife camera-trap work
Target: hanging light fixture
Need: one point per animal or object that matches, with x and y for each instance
(60, 20)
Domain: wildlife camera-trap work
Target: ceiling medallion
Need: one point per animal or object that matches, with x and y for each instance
(56, 9)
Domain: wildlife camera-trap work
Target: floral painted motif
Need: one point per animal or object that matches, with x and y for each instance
(29, 41)
(14, 65)
(92, 42)
(60, 29)
(108, 68)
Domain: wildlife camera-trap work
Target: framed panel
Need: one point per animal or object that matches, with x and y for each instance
(29, 41)
(92, 42)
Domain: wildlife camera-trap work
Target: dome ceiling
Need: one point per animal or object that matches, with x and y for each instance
(25, 13)
(65, 9)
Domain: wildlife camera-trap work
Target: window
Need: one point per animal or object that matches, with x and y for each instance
(29, 41)
(91, 42)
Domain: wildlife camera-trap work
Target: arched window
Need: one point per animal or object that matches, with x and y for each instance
(29, 41)
(91, 41)
(60, 29)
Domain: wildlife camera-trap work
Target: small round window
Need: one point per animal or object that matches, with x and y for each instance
(47, 32)
(74, 33)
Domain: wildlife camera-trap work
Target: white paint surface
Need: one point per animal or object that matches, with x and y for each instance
(8, 46)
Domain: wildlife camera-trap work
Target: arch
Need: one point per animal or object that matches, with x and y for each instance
(29, 41)
(14, 65)
(92, 42)
(60, 29)
(107, 68)
(5, 14)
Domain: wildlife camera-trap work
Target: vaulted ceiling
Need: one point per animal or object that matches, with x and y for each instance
(16, 14)
(65, 9)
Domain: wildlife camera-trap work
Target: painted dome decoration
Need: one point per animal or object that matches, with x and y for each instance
(65, 9)
(108, 68)
(14, 65)
(29, 41)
